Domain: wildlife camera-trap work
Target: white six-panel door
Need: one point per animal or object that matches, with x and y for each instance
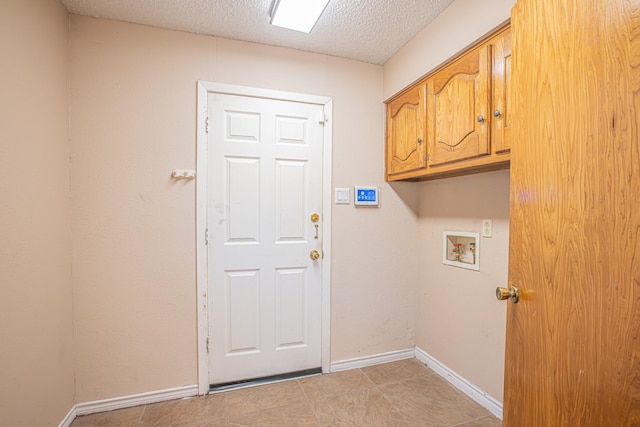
(264, 183)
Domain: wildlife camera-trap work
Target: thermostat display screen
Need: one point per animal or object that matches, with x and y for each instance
(366, 196)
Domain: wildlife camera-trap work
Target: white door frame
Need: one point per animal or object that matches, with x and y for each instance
(204, 89)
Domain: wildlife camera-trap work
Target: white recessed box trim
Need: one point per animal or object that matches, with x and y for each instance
(469, 249)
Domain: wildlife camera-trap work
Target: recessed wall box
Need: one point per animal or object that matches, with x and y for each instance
(366, 196)
(461, 249)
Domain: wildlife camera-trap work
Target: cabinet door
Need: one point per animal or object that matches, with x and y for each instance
(457, 104)
(406, 146)
(501, 130)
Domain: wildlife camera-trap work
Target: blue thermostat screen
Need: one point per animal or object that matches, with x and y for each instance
(366, 196)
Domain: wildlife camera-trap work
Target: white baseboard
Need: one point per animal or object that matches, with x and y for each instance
(136, 400)
(66, 422)
(376, 359)
(481, 397)
(128, 402)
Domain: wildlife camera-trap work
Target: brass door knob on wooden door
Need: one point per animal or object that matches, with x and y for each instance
(314, 255)
(511, 293)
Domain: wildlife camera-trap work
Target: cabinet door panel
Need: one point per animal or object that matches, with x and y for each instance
(455, 111)
(456, 98)
(406, 150)
(501, 135)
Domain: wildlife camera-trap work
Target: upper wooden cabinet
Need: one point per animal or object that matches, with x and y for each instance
(405, 127)
(456, 120)
(501, 130)
(458, 103)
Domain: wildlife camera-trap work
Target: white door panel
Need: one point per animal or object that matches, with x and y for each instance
(265, 181)
(243, 294)
(242, 200)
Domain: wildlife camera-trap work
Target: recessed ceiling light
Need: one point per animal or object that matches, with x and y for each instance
(298, 15)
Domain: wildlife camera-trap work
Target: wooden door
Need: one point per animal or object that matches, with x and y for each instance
(265, 181)
(573, 340)
(406, 140)
(501, 115)
(457, 108)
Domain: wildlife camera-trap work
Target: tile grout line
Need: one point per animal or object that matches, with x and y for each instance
(306, 398)
(377, 388)
(261, 410)
(427, 372)
(144, 408)
(384, 378)
(384, 396)
(462, 424)
(227, 415)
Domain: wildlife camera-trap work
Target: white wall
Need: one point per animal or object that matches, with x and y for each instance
(133, 120)
(459, 321)
(132, 114)
(457, 27)
(36, 331)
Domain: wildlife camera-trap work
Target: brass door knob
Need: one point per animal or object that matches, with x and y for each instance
(314, 255)
(511, 293)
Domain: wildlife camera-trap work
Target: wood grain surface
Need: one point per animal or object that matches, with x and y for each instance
(475, 81)
(573, 341)
(406, 139)
(501, 125)
(456, 96)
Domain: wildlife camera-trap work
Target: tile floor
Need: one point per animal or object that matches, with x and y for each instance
(403, 393)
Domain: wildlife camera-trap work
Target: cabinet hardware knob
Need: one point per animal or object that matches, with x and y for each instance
(480, 118)
(419, 140)
(496, 113)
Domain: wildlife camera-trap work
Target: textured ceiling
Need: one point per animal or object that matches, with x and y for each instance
(364, 30)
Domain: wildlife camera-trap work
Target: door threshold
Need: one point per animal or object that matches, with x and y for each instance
(217, 388)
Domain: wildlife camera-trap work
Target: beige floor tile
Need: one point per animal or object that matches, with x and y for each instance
(297, 414)
(121, 418)
(403, 393)
(489, 421)
(359, 407)
(178, 413)
(337, 383)
(396, 371)
(222, 422)
(263, 397)
(430, 400)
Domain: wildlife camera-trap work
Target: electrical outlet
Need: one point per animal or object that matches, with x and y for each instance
(487, 227)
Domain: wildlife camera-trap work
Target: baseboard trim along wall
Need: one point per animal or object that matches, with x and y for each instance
(376, 359)
(66, 422)
(128, 402)
(481, 397)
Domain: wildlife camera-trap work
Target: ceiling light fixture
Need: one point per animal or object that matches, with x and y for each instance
(297, 15)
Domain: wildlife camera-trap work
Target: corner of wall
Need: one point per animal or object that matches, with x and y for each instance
(463, 22)
(35, 258)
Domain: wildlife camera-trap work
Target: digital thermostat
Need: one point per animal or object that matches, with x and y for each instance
(366, 196)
